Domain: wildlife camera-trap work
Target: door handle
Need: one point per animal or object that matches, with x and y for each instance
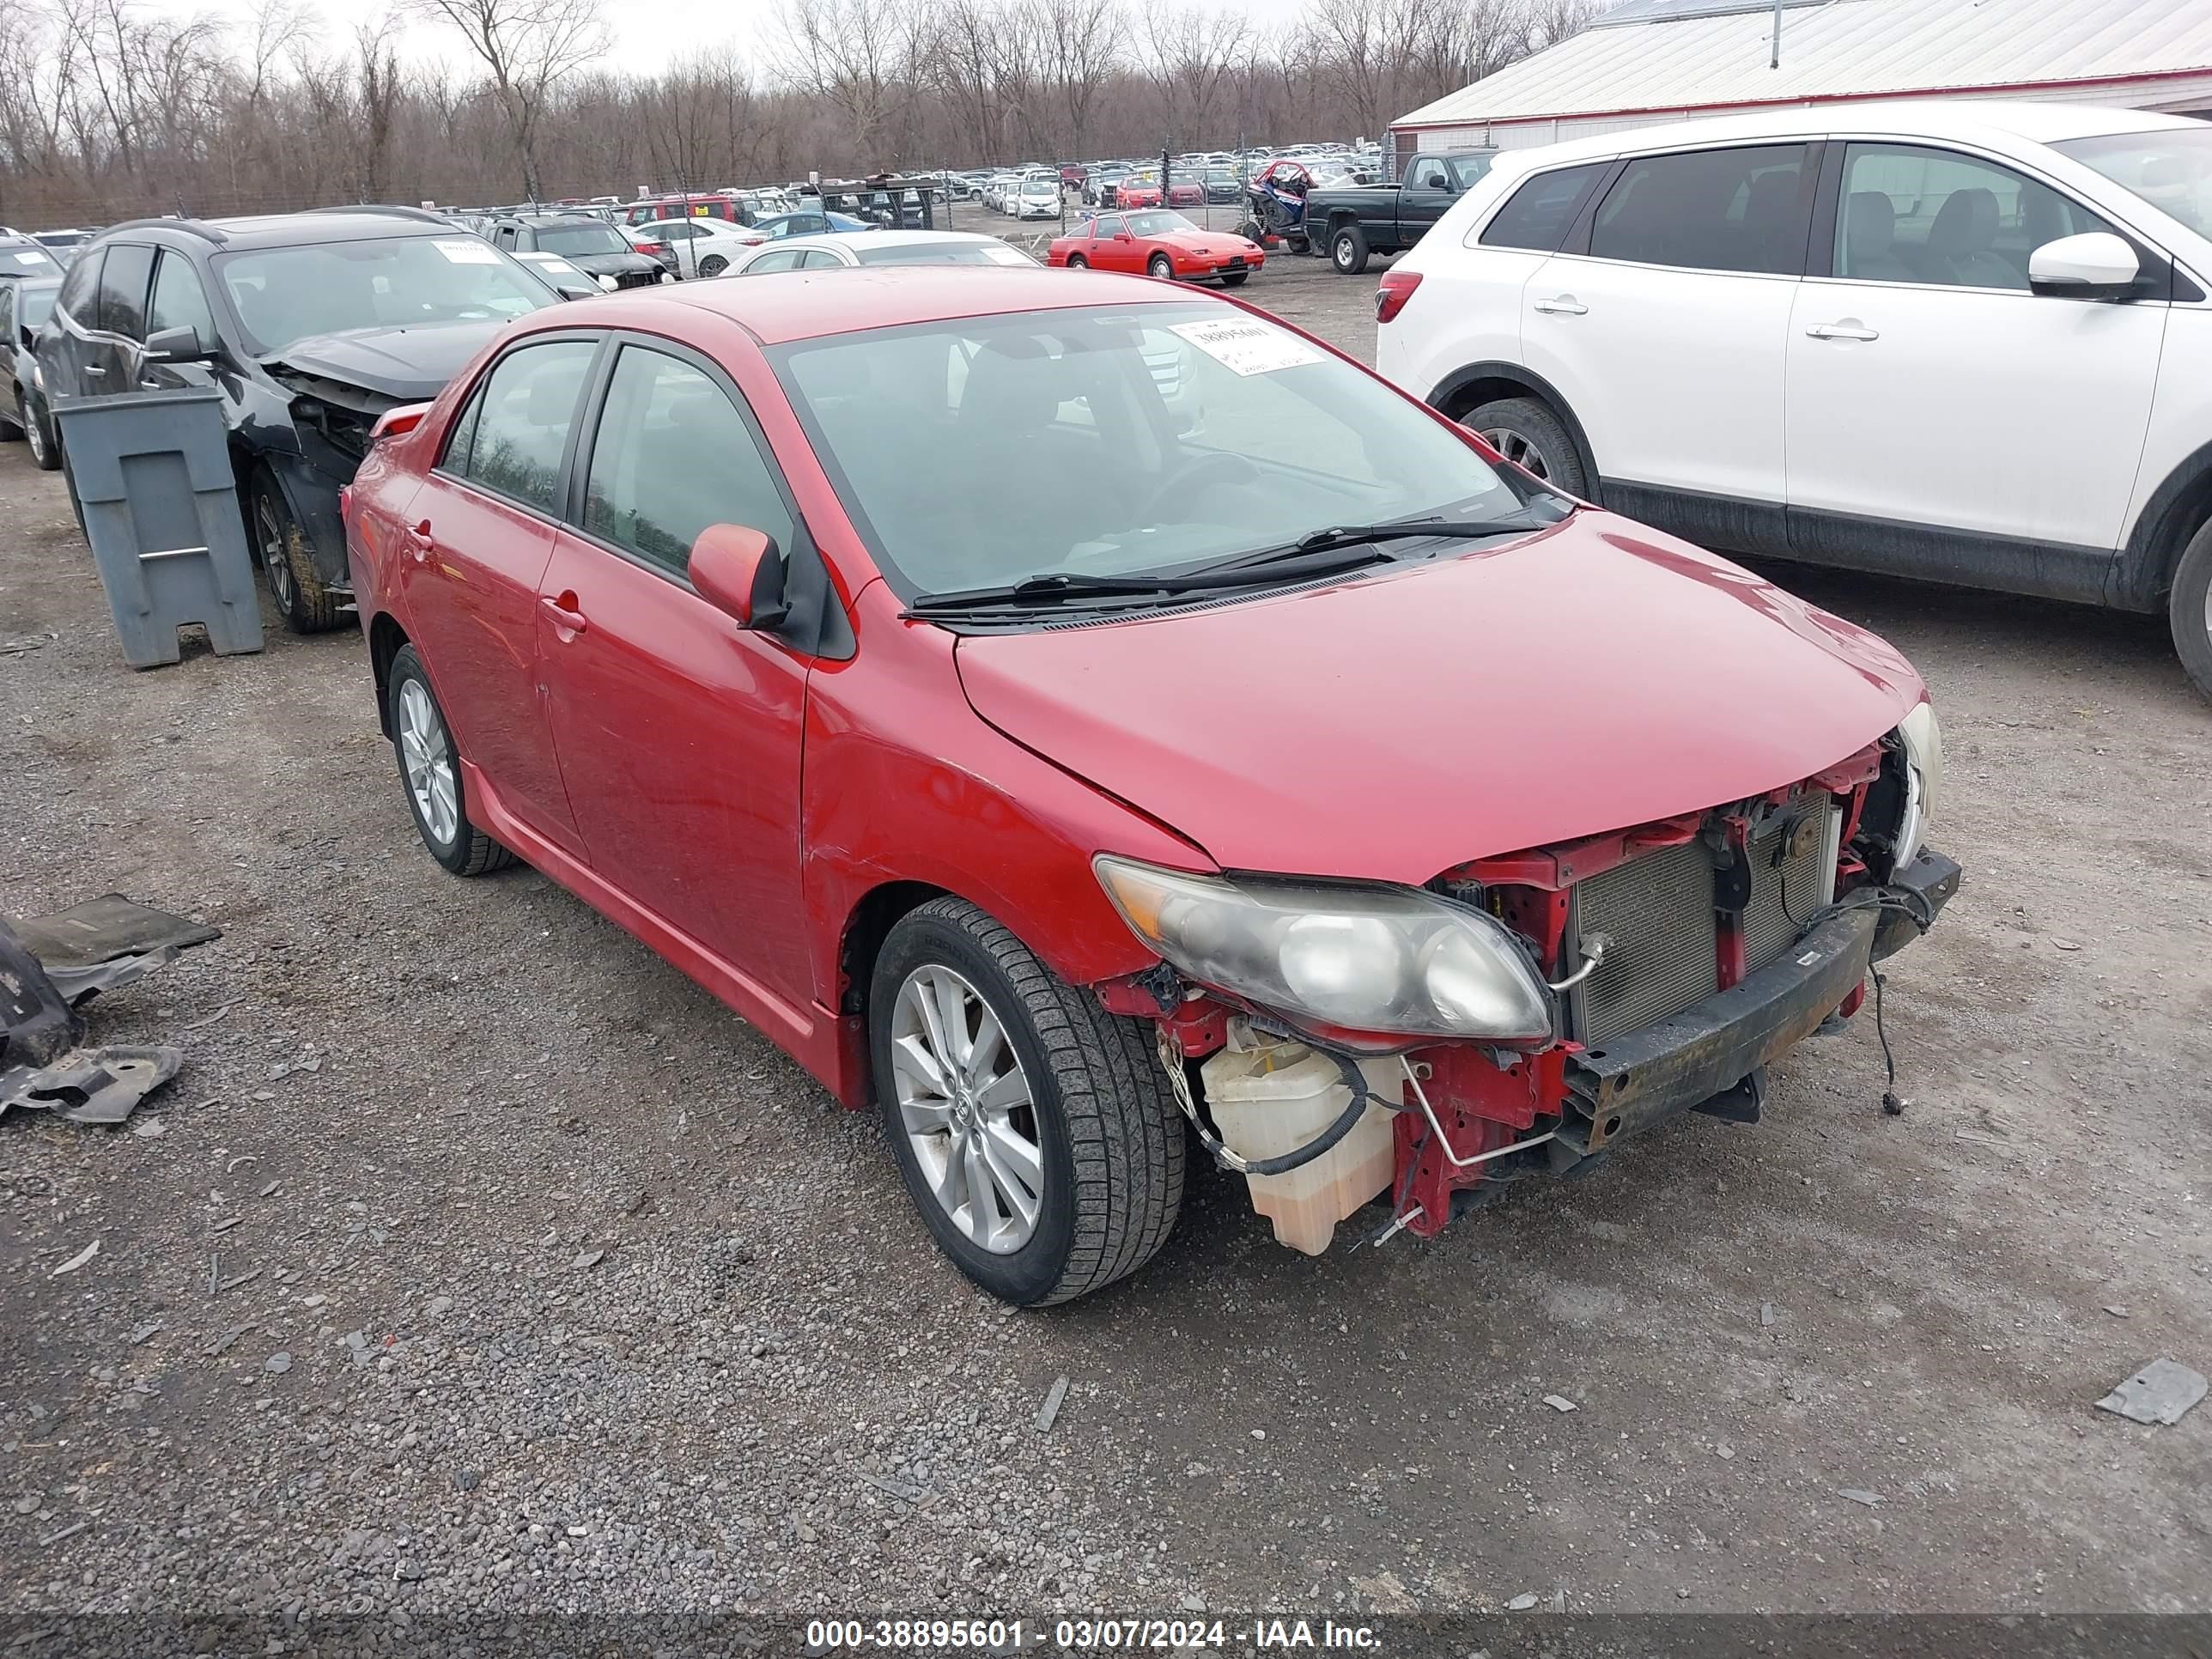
(95, 368)
(565, 614)
(418, 537)
(1564, 305)
(1843, 330)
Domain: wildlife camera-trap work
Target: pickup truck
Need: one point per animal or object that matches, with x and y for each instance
(1355, 222)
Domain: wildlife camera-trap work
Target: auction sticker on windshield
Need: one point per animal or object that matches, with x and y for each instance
(1247, 346)
(466, 251)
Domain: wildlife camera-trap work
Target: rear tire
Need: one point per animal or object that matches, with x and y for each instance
(1161, 266)
(1527, 433)
(712, 265)
(39, 431)
(1077, 262)
(437, 799)
(2189, 609)
(1347, 250)
(1096, 1127)
(306, 605)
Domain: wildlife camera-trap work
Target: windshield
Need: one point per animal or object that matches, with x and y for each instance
(944, 253)
(1157, 223)
(2171, 169)
(17, 257)
(287, 294)
(573, 239)
(1113, 439)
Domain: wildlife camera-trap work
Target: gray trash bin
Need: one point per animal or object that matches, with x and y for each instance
(152, 474)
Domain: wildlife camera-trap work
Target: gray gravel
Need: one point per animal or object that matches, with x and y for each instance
(593, 1301)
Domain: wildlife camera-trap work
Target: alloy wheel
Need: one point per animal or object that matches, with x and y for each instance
(276, 555)
(1519, 448)
(427, 759)
(34, 430)
(965, 1104)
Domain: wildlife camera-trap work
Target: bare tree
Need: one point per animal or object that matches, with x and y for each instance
(1079, 42)
(1193, 52)
(528, 48)
(863, 56)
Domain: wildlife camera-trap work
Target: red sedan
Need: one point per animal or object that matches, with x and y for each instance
(1139, 189)
(1330, 792)
(1158, 243)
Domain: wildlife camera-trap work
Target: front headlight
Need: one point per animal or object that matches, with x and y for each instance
(1386, 960)
(608, 283)
(1923, 778)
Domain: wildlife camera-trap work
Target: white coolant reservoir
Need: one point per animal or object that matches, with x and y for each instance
(1275, 1098)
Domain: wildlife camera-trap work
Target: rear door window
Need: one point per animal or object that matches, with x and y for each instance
(123, 284)
(1708, 210)
(513, 442)
(1537, 215)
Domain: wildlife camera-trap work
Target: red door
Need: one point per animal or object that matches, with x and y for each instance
(476, 539)
(678, 732)
(1119, 251)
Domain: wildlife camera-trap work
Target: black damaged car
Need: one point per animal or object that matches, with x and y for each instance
(591, 243)
(310, 325)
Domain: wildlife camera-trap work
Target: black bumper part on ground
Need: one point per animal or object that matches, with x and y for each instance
(1640, 1078)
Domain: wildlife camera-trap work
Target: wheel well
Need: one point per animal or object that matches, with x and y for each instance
(1458, 397)
(866, 930)
(385, 637)
(2176, 526)
(1340, 218)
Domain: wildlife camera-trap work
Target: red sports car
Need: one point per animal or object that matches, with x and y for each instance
(1457, 829)
(1158, 243)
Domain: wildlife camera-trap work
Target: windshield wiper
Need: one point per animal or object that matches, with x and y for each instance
(1059, 586)
(1363, 535)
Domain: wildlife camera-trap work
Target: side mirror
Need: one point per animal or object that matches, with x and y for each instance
(739, 571)
(180, 345)
(2097, 266)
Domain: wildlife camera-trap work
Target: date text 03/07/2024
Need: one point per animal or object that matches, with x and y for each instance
(1013, 1636)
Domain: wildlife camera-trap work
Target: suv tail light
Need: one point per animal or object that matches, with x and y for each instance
(1397, 287)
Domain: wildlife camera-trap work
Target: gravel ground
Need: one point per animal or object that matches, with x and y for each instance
(541, 1283)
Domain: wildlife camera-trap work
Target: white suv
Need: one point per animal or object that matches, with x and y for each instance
(1965, 341)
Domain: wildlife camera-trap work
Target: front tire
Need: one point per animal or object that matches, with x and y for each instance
(430, 768)
(1527, 433)
(2189, 609)
(306, 605)
(1347, 250)
(1034, 1130)
(1235, 279)
(39, 431)
(1161, 266)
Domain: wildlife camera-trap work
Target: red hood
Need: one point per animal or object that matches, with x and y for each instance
(1205, 241)
(1592, 677)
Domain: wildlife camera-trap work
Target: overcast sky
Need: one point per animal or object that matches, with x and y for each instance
(647, 34)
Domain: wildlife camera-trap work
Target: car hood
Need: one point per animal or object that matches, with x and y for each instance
(612, 264)
(409, 364)
(1205, 241)
(1389, 726)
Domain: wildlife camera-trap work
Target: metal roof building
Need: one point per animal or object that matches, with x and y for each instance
(1659, 60)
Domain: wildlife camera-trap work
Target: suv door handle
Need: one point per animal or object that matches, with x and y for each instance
(1843, 330)
(565, 614)
(1564, 305)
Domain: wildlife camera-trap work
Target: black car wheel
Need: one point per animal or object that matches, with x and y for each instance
(1077, 262)
(712, 265)
(306, 605)
(2189, 609)
(430, 767)
(39, 431)
(1234, 278)
(1347, 248)
(1533, 438)
(1161, 266)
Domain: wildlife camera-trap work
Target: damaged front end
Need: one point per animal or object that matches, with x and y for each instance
(1611, 983)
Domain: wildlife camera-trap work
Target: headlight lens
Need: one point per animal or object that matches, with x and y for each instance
(1923, 778)
(1385, 960)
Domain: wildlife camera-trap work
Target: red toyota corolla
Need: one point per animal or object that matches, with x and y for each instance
(1158, 243)
(1330, 793)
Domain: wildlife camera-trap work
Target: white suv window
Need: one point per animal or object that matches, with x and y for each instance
(1708, 210)
(1910, 215)
(1537, 215)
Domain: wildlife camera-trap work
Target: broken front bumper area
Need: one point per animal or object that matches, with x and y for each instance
(1676, 1064)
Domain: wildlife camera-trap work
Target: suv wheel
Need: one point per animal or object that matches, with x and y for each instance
(38, 430)
(306, 606)
(1347, 248)
(2189, 609)
(430, 767)
(1533, 438)
(1034, 1129)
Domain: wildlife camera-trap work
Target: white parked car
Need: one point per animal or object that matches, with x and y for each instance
(1038, 198)
(703, 246)
(881, 248)
(1964, 342)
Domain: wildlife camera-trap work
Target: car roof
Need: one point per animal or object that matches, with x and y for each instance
(883, 237)
(869, 296)
(1966, 120)
(288, 229)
